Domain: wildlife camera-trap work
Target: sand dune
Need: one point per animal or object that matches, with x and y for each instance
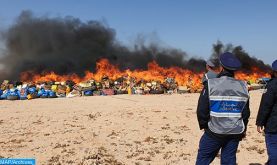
(123, 129)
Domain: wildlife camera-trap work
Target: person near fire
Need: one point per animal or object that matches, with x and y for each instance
(223, 113)
(211, 73)
(267, 116)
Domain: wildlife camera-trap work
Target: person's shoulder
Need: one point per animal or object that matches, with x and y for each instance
(205, 84)
(272, 83)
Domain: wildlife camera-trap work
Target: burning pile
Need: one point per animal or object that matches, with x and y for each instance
(65, 57)
(183, 77)
(109, 80)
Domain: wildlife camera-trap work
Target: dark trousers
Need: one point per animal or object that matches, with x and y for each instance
(209, 147)
(271, 145)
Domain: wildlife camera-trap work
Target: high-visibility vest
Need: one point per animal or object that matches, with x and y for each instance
(227, 97)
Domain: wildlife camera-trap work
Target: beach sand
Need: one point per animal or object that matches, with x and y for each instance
(122, 129)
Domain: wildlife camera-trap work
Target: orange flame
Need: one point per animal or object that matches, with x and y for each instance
(252, 76)
(183, 77)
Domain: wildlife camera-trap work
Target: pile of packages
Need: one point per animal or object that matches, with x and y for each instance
(123, 85)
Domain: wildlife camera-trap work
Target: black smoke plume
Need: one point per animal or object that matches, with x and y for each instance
(68, 45)
(248, 62)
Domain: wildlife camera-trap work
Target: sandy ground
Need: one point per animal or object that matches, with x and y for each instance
(123, 129)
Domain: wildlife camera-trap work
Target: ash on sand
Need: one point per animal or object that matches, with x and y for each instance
(120, 129)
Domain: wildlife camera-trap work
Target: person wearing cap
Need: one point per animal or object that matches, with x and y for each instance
(210, 67)
(267, 116)
(223, 113)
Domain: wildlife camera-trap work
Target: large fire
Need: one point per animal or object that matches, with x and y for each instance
(183, 77)
(252, 75)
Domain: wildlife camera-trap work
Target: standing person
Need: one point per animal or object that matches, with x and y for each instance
(223, 112)
(267, 116)
(210, 67)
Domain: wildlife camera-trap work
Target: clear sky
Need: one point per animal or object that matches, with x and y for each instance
(192, 26)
